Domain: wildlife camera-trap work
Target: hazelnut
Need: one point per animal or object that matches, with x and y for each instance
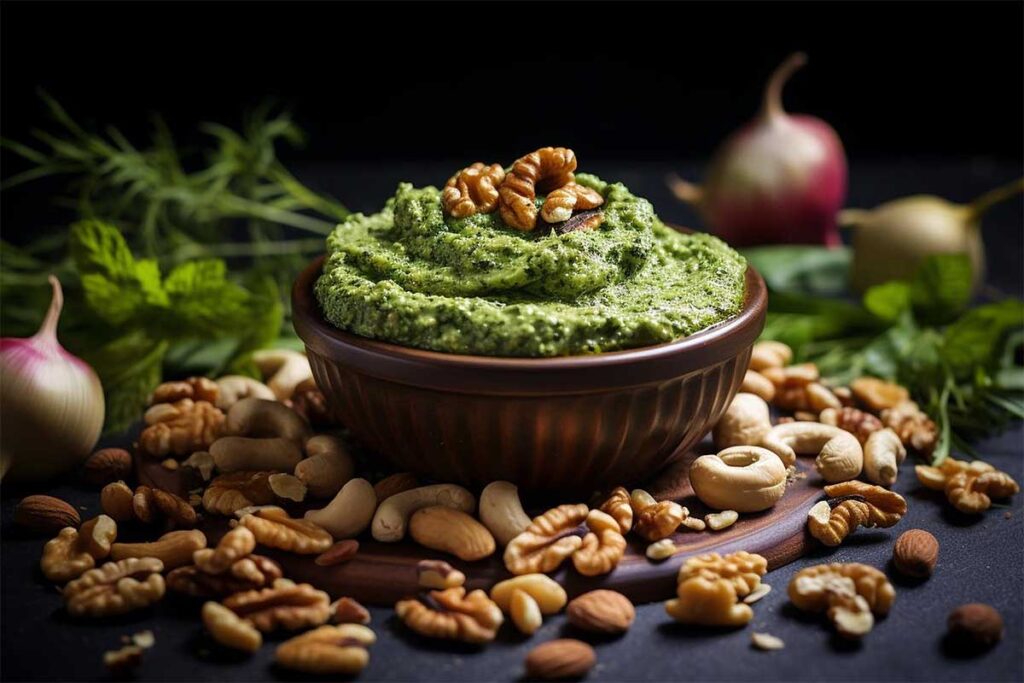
(975, 626)
(915, 553)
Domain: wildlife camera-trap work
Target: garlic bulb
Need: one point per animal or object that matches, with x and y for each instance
(51, 403)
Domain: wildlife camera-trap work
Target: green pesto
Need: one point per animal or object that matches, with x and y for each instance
(411, 276)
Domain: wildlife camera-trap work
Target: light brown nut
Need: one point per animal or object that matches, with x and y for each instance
(661, 550)
(115, 588)
(451, 531)
(853, 504)
(256, 418)
(283, 370)
(601, 611)
(708, 600)
(284, 605)
(809, 589)
(850, 613)
(883, 454)
(195, 388)
(107, 465)
(741, 478)
(859, 423)
(328, 650)
(342, 551)
(472, 190)
(116, 501)
(273, 528)
(693, 524)
(181, 429)
(65, 557)
(617, 505)
(392, 515)
(122, 662)
(150, 506)
(758, 593)
(561, 202)
(348, 611)
(744, 423)
(915, 429)
(757, 384)
(770, 354)
(173, 549)
(199, 465)
(878, 394)
(524, 612)
(793, 376)
(717, 521)
(328, 466)
(548, 594)
(915, 553)
(233, 388)
(559, 659)
(452, 614)
(229, 493)
(839, 454)
(233, 546)
(742, 570)
(394, 484)
(975, 626)
(820, 397)
(885, 508)
(548, 541)
(502, 512)
(45, 514)
(660, 520)
(287, 487)
(253, 572)
(97, 535)
(311, 404)
(766, 641)
(229, 630)
(438, 574)
(602, 548)
(242, 453)
(972, 492)
(542, 171)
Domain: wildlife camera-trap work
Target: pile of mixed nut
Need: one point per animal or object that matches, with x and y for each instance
(251, 450)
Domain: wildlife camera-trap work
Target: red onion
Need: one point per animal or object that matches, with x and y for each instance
(780, 178)
(51, 403)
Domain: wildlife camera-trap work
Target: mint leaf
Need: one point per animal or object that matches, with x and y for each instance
(972, 341)
(129, 369)
(888, 300)
(941, 288)
(204, 302)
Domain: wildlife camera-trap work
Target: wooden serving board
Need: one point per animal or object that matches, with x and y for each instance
(383, 573)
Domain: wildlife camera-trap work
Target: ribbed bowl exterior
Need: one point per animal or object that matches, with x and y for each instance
(577, 423)
(540, 442)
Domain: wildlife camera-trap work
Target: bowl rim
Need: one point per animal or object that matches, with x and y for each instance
(524, 376)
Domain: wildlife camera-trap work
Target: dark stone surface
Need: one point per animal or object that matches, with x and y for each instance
(981, 559)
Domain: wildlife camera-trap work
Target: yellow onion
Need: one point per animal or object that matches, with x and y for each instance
(892, 240)
(51, 403)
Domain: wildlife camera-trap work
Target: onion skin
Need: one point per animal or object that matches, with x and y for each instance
(891, 241)
(51, 404)
(779, 179)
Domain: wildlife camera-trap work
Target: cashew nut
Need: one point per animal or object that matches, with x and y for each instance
(501, 512)
(257, 417)
(805, 438)
(741, 478)
(392, 516)
(283, 370)
(287, 487)
(350, 512)
(233, 388)
(234, 453)
(174, 549)
(770, 354)
(744, 423)
(756, 383)
(883, 454)
(328, 466)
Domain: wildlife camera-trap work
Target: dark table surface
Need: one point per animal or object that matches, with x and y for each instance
(981, 558)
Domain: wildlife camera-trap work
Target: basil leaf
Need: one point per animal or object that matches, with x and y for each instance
(973, 339)
(888, 300)
(941, 288)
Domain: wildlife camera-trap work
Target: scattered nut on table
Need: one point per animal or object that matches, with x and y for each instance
(527, 597)
(658, 519)
(549, 540)
(766, 641)
(601, 611)
(438, 574)
(745, 422)
(230, 630)
(107, 465)
(228, 493)
(618, 506)
(710, 586)
(661, 550)
(180, 428)
(975, 626)
(858, 422)
(327, 467)
(853, 504)
(249, 573)
(915, 553)
(347, 610)
(741, 478)
(349, 512)
(452, 614)
(850, 593)
(717, 521)
(174, 548)
(45, 514)
(502, 512)
(969, 486)
(284, 605)
(328, 650)
(392, 515)
(560, 659)
(451, 531)
(115, 588)
(603, 545)
(273, 528)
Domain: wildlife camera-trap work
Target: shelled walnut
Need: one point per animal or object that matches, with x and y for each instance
(452, 614)
(284, 605)
(228, 493)
(853, 504)
(710, 586)
(603, 546)
(915, 429)
(327, 650)
(969, 486)
(115, 588)
(617, 505)
(472, 190)
(859, 423)
(180, 428)
(655, 520)
(850, 593)
(249, 573)
(549, 540)
(194, 388)
(273, 527)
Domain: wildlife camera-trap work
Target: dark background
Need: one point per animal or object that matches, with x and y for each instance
(659, 81)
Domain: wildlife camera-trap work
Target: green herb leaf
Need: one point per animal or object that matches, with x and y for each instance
(889, 300)
(821, 271)
(973, 340)
(130, 368)
(941, 288)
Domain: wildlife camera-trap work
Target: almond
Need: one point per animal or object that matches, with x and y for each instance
(342, 551)
(452, 531)
(349, 611)
(107, 465)
(601, 611)
(915, 553)
(975, 626)
(45, 514)
(562, 658)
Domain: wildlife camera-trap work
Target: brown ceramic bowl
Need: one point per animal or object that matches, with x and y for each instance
(577, 422)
